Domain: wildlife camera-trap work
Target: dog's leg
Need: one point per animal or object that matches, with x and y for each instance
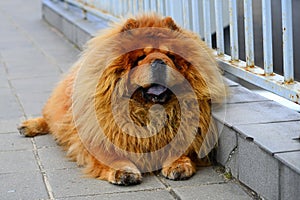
(33, 127)
(182, 168)
(119, 172)
(124, 172)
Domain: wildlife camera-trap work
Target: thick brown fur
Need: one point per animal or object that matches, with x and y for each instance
(95, 94)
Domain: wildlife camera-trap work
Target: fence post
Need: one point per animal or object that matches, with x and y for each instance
(287, 41)
(249, 44)
(219, 26)
(206, 18)
(234, 45)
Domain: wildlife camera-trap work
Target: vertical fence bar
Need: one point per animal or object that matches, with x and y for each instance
(130, 6)
(174, 9)
(146, 5)
(287, 39)
(119, 8)
(196, 16)
(267, 37)
(137, 7)
(161, 8)
(219, 26)
(168, 7)
(113, 6)
(249, 44)
(109, 6)
(121, 11)
(153, 5)
(185, 14)
(234, 45)
(125, 7)
(206, 18)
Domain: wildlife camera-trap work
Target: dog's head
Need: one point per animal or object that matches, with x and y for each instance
(150, 57)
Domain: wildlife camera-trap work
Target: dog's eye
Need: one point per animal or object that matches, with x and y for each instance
(140, 58)
(136, 62)
(179, 67)
(171, 56)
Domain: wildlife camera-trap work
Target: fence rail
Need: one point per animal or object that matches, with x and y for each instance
(207, 17)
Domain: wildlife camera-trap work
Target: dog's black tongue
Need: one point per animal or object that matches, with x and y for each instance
(156, 90)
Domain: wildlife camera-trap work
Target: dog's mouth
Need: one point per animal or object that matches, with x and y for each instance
(156, 93)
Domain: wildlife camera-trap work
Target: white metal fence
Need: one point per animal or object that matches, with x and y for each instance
(208, 17)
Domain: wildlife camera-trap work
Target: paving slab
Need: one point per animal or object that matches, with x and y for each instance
(25, 185)
(10, 125)
(137, 195)
(32, 70)
(33, 103)
(14, 142)
(35, 85)
(17, 161)
(21, 54)
(70, 183)
(254, 113)
(54, 158)
(240, 94)
(9, 107)
(212, 192)
(3, 77)
(273, 137)
(204, 176)
(45, 141)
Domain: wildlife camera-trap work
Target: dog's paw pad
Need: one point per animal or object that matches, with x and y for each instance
(179, 171)
(125, 177)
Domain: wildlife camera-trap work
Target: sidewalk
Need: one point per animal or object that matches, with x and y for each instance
(33, 56)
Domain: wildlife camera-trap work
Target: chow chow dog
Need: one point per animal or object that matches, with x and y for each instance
(138, 100)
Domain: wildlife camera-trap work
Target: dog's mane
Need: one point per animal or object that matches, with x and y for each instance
(100, 69)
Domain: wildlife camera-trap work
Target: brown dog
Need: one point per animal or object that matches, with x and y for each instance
(138, 100)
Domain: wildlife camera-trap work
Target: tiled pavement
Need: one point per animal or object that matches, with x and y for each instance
(33, 57)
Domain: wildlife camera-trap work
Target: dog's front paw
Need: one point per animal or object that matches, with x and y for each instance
(33, 127)
(181, 169)
(126, 177)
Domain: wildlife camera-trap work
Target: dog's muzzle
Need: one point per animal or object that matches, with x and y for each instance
(157, 92)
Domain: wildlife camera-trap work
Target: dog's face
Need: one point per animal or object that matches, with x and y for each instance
(155, 61)
(154, 76)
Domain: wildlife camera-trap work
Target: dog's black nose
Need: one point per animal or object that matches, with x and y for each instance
(158, 70)
(158, 63)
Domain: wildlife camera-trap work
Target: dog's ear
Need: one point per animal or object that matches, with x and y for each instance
(130, 24)
(169, 23)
